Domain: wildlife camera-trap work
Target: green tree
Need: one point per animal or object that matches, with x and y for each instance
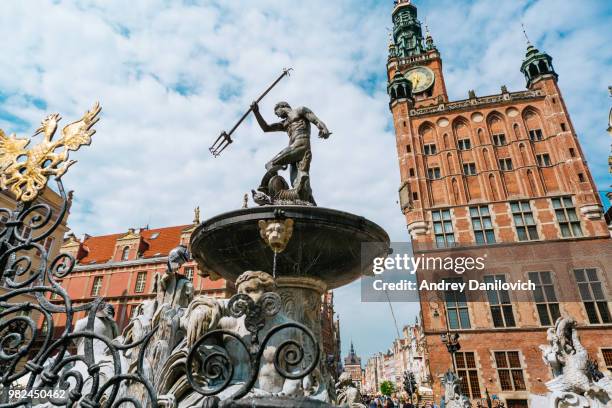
(387, 388)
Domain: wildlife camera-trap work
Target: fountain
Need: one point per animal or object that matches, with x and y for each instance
(261, 348)
(307, 249)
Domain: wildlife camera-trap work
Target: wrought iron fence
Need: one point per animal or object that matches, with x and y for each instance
(37, 365)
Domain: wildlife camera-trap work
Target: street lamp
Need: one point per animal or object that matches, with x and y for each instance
(451, 341)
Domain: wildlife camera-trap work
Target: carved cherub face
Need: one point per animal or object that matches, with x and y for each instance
(254, 284)
(253, 288)
(276, 233)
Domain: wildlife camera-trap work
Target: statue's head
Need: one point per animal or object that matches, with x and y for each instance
(105, 310)
(255, 283)
(282, 109)
(177, 257)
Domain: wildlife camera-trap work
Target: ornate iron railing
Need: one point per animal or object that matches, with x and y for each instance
(41, 361)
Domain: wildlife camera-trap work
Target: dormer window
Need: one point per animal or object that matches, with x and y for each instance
(125, 254)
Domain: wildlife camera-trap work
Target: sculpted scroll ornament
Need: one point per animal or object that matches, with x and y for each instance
(25, 172)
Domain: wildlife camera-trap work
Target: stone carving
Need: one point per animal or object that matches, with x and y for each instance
(274, 189)
(576, 382)
(347, 393)
(452, 391)
(485, 100)
(276, 233)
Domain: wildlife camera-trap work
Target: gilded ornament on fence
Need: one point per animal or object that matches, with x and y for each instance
(25, 172)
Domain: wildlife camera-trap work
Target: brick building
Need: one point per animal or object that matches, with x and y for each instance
(502, 175)
(121, 267)
(406, 353)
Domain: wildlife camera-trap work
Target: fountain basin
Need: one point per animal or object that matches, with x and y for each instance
(325, 245)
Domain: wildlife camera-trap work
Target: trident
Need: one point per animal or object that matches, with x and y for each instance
(225, 138)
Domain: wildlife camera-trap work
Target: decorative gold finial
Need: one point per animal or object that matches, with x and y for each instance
(196, 215)
(25, 172)
(276, 233)
(525, 34)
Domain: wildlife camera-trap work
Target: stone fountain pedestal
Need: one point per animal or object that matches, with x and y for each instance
(323, 252)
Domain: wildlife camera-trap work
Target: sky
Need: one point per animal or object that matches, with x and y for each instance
(171, 75)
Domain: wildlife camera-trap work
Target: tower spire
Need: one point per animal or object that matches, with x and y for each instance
(525, 34)
(407, 34)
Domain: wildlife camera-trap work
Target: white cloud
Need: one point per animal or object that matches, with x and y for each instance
(149, 162)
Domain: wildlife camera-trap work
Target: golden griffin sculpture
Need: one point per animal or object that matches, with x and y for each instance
(25, 172)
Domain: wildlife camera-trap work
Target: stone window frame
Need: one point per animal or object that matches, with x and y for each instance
(125, 253)
(500, 300)
(459, 305)
(430, 149)
(481, 217)
(552, 307)
(141, 282)
(471, 376)
(445, 219)
(505, 164)
(606, 355)
(189, 273)
(510, 369)
(433, 173)
(96, 285)
(469, 169)
(499, 139)
(593, 307)
(464, 144)
(528, 225)
(566, 216)
(543, 160)
(536, 135)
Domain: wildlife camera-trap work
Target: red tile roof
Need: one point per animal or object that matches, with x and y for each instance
(101, 248)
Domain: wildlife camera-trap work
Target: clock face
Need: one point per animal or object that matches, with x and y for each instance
(422, 78)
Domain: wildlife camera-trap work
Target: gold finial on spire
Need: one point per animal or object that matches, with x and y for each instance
(196, 215)
(525, 34)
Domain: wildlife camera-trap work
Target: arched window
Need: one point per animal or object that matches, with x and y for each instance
(456, 191)
(493, 187)
(480, 134)
(125, 253)
(517, 133)
(533, 124)
(523, 154)
(485, 153)
(449, 162)
(532, 183)
(446, 145)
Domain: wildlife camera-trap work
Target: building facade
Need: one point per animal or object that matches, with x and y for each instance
(121, 268)
(352, 365)
(330, 335)
(408, 353)
(502, 175)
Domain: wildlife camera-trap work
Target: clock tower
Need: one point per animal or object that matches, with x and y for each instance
(502, 177)
(414, 58)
